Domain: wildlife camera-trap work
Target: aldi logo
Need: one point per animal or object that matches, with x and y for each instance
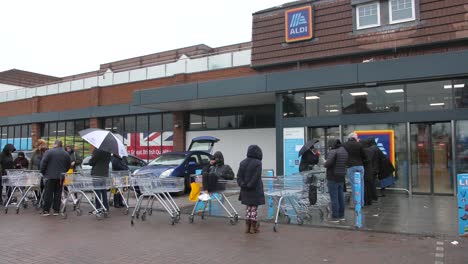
(298, 24)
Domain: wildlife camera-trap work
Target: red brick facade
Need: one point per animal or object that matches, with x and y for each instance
(335, 38)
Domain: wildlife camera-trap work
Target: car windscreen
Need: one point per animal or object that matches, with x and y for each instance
(169, 159)
(86, 160)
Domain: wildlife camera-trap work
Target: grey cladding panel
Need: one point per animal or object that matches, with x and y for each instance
(75, 114)
(312, 78)
(238, 86)
(169, 94)
(426, 66)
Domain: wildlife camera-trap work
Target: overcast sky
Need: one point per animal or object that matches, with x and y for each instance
(64, 37)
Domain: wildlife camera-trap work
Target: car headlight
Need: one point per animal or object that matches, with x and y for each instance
(166, 173)
(136, 171)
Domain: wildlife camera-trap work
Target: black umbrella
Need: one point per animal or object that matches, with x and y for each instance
(307, 146)
(104, 140)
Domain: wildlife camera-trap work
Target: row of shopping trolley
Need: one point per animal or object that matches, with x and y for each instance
(294, 197)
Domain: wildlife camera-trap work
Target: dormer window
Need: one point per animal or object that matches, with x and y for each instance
(401, 11)
(368, 15)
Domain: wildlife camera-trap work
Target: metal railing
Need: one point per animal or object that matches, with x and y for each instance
(183, 65)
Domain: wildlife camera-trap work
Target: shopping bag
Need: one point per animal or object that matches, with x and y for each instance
(70, 171)
(195, 192)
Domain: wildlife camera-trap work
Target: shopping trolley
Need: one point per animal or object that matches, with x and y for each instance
(121, 181)
(223, 187)
(290, 196)
(82, 183)
(153, 188)
(23, 182)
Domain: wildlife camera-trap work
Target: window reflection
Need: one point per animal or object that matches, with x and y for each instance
(429, 96)
(460, 88)
(293, 105)
(379, 99)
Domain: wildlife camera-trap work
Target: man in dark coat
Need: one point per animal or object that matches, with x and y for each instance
(6, 163)
(371, 169)
(54, 164)
(100, 168)
(250, 181)
(356, 160)
(214, 171)
(336, 172)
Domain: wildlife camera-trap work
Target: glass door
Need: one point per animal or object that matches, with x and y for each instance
(323, 135)
(431, 158)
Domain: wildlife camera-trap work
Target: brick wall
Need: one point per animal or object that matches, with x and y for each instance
(440, 20)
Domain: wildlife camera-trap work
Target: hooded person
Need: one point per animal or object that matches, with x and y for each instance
(249, 178)
(21, 162)
(6, 163)
(215, 171)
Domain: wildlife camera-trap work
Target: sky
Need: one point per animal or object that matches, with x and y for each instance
(64, 37)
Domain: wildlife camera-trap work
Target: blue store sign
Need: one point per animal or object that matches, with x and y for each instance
(462, 181)
(298, 24)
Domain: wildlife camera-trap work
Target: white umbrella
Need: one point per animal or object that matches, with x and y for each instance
(104, 140)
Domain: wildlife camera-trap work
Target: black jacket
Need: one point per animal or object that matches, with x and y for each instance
(75, 157)
(119, 164)
(356, 154)
(219, 171)
(371, 167)
(308, 158)
(249, 177)
(336, 162)
(6, 159)
(100, 163)
(55, 162)
(382, 163)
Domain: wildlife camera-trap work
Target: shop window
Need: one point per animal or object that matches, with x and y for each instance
(211, 120)
(293, 105)
(227, 119)
(368, 15)
(379, 99)
(323, 103)
(167, 122)
(196, 120)
(265, 116)
(247, 118)
(460, 88)
(428, 96)
(462, 146)
(401, 11)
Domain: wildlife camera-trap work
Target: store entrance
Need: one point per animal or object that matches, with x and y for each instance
(324, 135)
(431, 158)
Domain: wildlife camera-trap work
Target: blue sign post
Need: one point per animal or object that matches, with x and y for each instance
(357, 199)
(462, 180)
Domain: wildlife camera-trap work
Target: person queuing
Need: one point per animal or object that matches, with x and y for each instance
(356, 160)
(6, 163)
(21, 162)
(54, 164)
(100, 168)
(336, 171)
(309, 159)
(118, 164)
(371, 168)
(75, 158)
(251, 186)
(215, 171)
(35, 163)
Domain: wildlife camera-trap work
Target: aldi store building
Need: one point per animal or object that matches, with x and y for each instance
(394, 69)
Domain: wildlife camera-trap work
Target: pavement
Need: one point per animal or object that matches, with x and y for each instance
(31, 238)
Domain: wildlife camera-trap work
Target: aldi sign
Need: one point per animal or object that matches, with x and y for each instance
(298, 24)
